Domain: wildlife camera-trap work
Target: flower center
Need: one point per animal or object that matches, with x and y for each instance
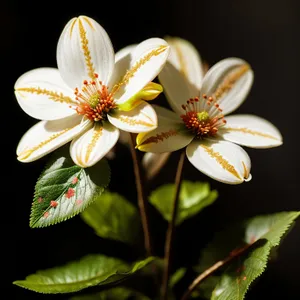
(94, 100)
(199, 121)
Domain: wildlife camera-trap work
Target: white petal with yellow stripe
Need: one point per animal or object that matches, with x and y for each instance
(220, 160)
(228, 82)
(83, 49)
(148, 59)
(89, 148)
(140, 119)
(46, 136)
(251, 131)
(43, 95)
(122, 63)
(167, 137)
(186, 59)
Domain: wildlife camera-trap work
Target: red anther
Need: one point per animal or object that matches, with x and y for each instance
(210, 99)
(85, 82)
(204, 96)
(96, 75)
(183, 106)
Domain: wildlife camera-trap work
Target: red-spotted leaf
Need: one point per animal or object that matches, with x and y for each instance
(64, 190)
(90, 271)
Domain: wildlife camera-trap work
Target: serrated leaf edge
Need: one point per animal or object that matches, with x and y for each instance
(56, 221)
(294, 215)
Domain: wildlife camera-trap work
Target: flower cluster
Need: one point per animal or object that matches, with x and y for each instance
(94, 93)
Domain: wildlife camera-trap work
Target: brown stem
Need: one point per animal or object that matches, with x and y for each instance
(141, 196)
(171, 228)
(212, 269)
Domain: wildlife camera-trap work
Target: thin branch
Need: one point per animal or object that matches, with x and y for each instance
(171, 229)
(142, 203)
(213, 268)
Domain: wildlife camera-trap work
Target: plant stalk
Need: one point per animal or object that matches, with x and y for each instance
(142, 203)
(171, 228)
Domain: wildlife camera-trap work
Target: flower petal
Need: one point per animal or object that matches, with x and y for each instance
(167, 137)
(90, 147)
(46, 136)
(165, 115)
(228, 83)
(140, 119)
(176, 87)
(186, 59)
(43, 95)
(148, 59)
(83, 49)
(122, 63)
(220, 160)
(251, 131)
(153, 163)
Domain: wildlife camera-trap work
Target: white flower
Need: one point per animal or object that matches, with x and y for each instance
(198, 122)
(90, 95)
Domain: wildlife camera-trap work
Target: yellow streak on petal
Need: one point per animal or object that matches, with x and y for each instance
(222, 161)
(96, 135)
(159, 137)
(86, 51)
(89, 22)
(228, 82)
(26, 153)
(130, 73)
(246, 172)
(253, 132)
(55, 96)
(133, 122)
(72, 27)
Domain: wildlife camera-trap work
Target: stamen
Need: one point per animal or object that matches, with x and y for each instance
(200, 122)
(94, 100)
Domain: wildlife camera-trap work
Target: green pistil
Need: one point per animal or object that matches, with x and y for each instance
(203, 116)
(94, 100)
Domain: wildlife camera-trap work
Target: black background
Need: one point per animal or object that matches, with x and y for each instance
(264, 33)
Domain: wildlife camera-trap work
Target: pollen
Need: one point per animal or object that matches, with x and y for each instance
(93, 100)
(203, 119)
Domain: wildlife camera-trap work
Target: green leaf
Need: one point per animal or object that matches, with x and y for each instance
(91, 270)
(193, 197)
(118, 293)
(177, 276)
(113, 217)
(64, 190)
(263, 233)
